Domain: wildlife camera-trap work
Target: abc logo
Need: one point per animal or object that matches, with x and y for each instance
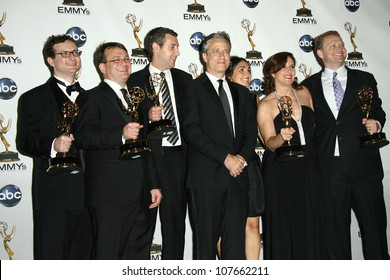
(251, 3)
(196, 39)
(78, 35)
(10, 195)
(306, 43)
(8, 88)
(352, 5)
(256, 87)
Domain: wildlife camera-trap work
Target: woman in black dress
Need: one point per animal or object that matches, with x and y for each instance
(293, 218)
(239, 71)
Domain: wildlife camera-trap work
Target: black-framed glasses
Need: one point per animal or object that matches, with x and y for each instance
(65, 54)
(119, 60)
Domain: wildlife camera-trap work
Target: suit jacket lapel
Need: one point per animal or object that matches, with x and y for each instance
(235, 98)
(110, 94)
(319, 96)
(349, 95)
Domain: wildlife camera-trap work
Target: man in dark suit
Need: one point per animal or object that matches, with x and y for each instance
(119, 192)
(60, 219)
(162, 48)
(219, 125)
(352, 175)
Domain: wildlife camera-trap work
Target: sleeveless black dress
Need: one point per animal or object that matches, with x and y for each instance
(293, 222)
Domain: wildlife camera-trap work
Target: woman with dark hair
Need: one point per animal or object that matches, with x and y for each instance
(239, 71)
(293, 219)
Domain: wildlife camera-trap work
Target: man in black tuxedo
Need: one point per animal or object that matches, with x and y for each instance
(119, 192)
(162, 48)
(352, 175)
(219, 125)
(61, 223)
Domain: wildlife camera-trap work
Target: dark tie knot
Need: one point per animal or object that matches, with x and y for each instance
(75, 87)
(124, 91)
(126, 96)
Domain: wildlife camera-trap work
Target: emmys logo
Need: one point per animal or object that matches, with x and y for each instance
(196, 12)
(196, 39)
(78, 35)
(251, 3)
(73, 2)
(306, 43)
(131, 19)
(352, 5)
(8, 88)
(256, 63)
(252, 54)
(73, 7)
(302, 68)
(6, 51)
(7, 238)
(256, 87)
(354, 55)
(193, 69)
(10, 195)
(304, 15)
(354, 58)
(155, 251)
(7, 155)
(12, 167)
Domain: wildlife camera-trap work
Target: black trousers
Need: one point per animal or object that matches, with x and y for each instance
(215, 214)
(173, 207)
(62, 234)
(364, 195)
(122, 232)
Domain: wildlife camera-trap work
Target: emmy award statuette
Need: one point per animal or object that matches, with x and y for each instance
(303, 69)
(372, 140)
(73, 3)
(193, 69)
(162, 128)
(195, 8)
(133, 148)
(304, 12)
(252, 54)
(288, 151)
(355, 55)
(7, 155)
(63, 163)
(137, 52)
(4, 49)
(7, 238)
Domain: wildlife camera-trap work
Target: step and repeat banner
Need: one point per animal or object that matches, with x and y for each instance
(258, 29)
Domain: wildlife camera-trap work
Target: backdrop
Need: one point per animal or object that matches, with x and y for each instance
(258, 29)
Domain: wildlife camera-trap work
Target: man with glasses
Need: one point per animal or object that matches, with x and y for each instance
(120, 192)
(61, 223)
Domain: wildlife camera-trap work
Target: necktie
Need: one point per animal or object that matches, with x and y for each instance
(225, 104)
(338, 91)
(168, 109)
(126, 96)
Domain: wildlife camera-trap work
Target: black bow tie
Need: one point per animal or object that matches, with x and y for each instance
(74, 87)
(69, 89)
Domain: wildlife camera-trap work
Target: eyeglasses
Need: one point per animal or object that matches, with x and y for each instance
(119, 60)
(65, 54)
